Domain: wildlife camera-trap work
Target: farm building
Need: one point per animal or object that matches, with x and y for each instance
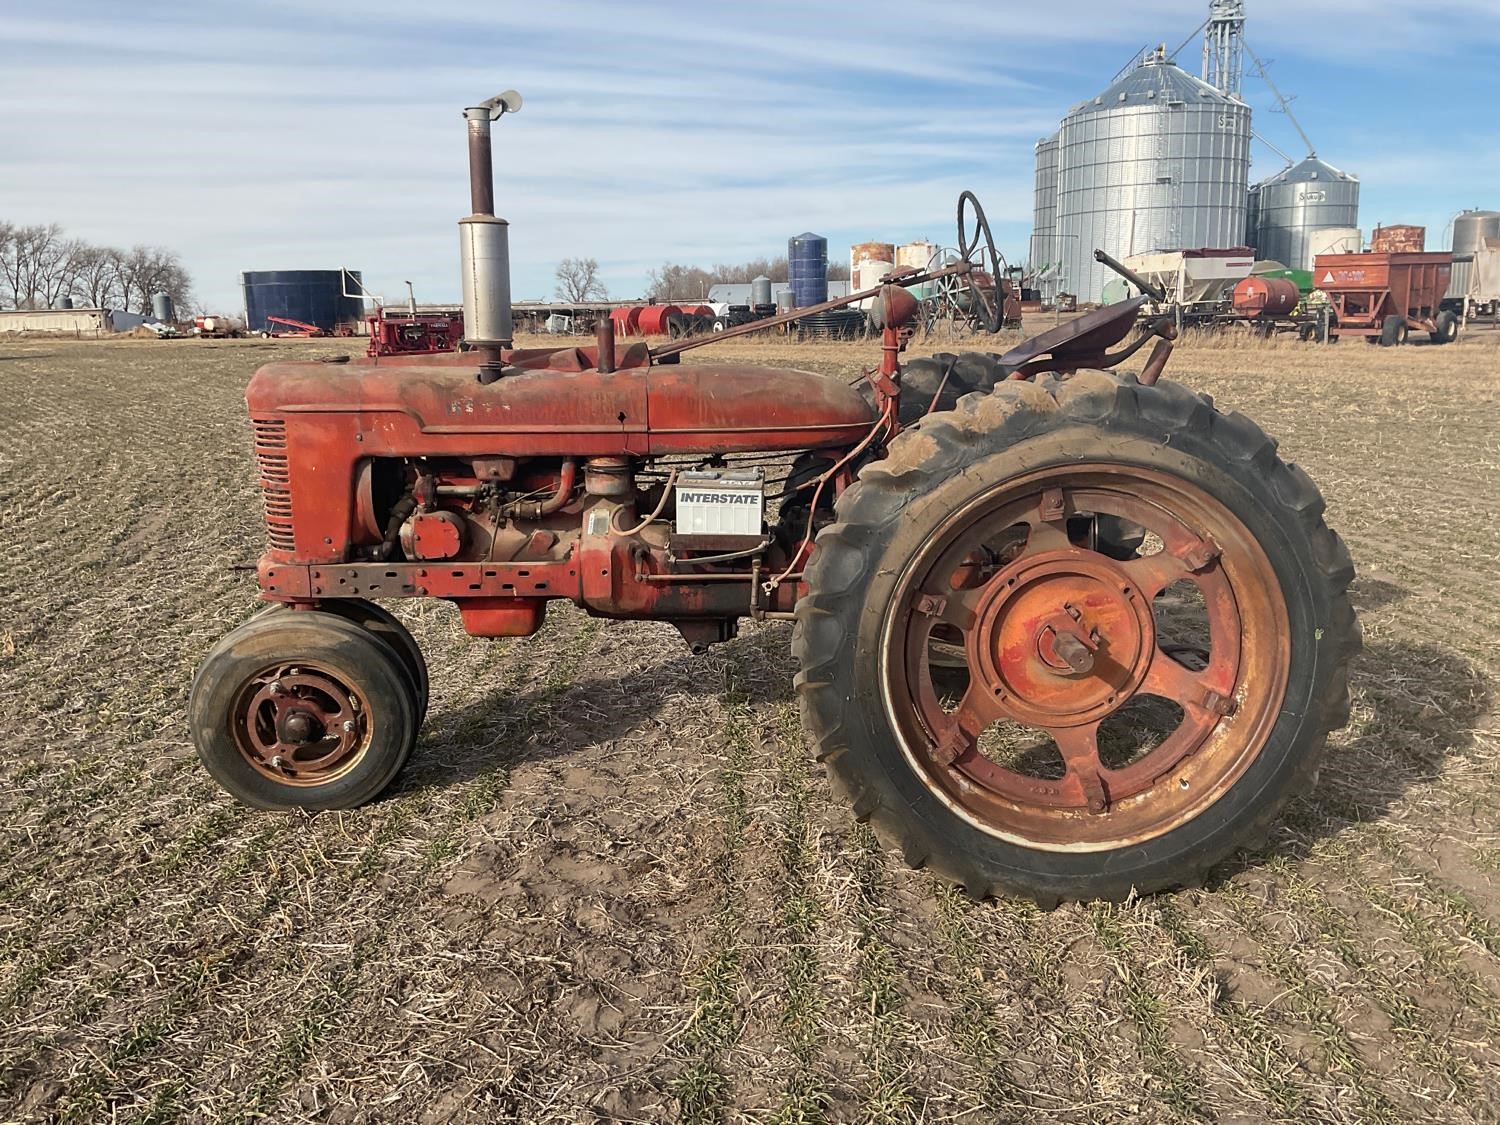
(74, 322)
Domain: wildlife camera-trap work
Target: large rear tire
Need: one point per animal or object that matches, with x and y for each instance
(962, 535)
(935, 383)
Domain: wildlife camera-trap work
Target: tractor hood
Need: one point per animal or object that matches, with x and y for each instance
(636, 411)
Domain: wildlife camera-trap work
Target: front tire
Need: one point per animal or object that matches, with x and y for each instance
(963, 531)
(302, 710)
(385, 625)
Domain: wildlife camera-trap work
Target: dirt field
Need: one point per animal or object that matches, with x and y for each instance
(612, 886)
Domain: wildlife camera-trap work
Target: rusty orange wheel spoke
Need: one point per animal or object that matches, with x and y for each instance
(1049, 523)
(951, 607)
(1202, 691)
(1079, 747)
(960, 738)
(1154, 573)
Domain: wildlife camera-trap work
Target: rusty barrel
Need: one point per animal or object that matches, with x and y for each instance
(653, 319)
(627, 320)
(1265, 296)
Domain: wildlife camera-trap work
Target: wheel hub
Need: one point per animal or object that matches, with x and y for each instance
(301, 725)
(1062, 638)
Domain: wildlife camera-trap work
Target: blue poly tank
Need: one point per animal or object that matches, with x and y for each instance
(311, 296)
(807, 269)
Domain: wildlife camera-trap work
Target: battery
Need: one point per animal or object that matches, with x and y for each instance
(721, 502)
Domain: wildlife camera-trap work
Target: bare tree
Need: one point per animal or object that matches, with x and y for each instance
(39, 266)
(150, 269)
(30, 257)
(59, 274)
(7, 245)
(773, 268)
(678, 283)
(96, 279)
(578, 280)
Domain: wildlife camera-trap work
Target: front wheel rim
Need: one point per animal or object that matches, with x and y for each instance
(300, 724)
(1060, 639)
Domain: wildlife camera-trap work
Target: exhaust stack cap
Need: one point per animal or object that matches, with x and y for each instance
(508, 102)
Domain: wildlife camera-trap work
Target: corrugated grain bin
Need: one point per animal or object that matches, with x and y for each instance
(760, 291)
(1265, 296)
(1291, 206)
(1159, 160)
(807, 269)
(1399, 238)
(1044, 216)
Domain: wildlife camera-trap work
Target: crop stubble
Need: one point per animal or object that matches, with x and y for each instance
(612, 886)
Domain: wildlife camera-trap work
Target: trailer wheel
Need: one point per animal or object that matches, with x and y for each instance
(1446, 328)
(1392, 331)
(302, 710)
(1102, 743)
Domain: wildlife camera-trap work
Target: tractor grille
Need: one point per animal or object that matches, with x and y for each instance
(275, 480)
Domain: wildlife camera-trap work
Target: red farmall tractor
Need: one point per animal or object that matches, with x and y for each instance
(1062, 632)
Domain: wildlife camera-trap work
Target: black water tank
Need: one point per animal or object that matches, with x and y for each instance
(311, 296)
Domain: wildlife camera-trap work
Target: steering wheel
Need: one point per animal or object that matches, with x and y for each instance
(978, 249)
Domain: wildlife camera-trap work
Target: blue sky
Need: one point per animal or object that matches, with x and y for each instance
(315, 135)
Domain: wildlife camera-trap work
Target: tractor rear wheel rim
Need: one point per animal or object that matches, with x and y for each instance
(300, 724)
(1058, 637)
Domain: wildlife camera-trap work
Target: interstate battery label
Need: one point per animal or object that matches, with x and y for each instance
(718, 497)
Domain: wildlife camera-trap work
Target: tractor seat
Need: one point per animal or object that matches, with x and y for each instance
(1083, 337)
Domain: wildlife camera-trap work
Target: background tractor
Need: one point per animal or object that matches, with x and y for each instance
(1062, 632)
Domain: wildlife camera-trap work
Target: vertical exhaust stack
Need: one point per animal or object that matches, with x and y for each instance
(484, 243)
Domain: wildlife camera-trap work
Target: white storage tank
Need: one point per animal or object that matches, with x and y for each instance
(1331, 240)
(868, 263)
(1470, 229)
(916, 255)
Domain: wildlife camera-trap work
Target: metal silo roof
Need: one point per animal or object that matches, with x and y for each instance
(1308, 171)
(1155, 81)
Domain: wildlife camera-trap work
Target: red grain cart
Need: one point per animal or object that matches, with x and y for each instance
(1382, 297)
